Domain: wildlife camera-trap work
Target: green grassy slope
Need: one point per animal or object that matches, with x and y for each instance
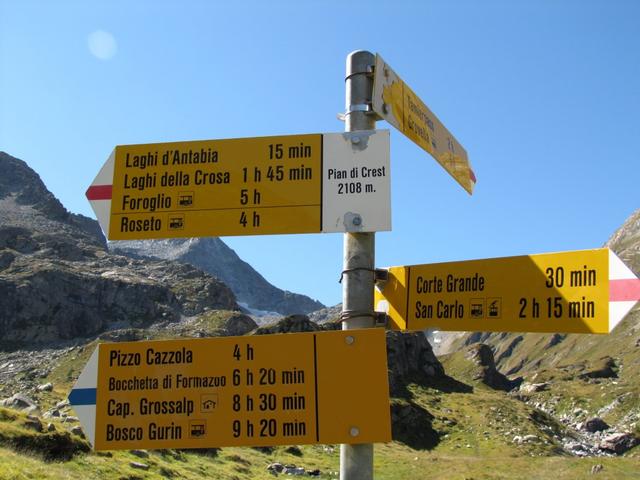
(475, 442)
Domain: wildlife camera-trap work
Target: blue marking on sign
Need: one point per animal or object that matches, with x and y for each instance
(82, 396)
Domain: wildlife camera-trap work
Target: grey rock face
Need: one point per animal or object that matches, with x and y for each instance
(482, 356)
(43, 299)
(24, 186)
(326, 315)
(213, 256)
(626, 242)
(619, 442)
(593, 425)
(410, 356)
(58, 281)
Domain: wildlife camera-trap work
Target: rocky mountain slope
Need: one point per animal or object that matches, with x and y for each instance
(500, 406)
(626, 242)
(59, 281)
(523, 353)
(579, 379)
(213, 256)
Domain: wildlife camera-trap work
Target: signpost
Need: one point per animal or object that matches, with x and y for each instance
(586, 291)
(395, 102)
(248, 186)
(323, 387)
(358, 261)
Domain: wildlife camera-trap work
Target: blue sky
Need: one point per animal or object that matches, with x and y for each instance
(543, 95)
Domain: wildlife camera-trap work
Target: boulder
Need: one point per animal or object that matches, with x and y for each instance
(139, 466)
(294, 450)
(592, 425)
(619, 442)
(21, 402)
(238, 325)
(275, 467)
(293, 470)
(533, 387)
(521, 439)
(140, 453)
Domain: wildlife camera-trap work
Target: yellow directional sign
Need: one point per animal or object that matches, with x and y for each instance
(245, 186)
(325, 387)
(395, 102)
(586, 291)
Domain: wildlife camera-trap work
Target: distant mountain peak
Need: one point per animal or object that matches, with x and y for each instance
(216, 258)
(26, 201)
(626, 242)
(19, 180)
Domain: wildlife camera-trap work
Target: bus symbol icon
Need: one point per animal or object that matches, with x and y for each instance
(476, 307)
(185, 199)
(197, 428)
(176, 222)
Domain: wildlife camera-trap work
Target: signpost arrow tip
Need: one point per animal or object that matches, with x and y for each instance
(83, 396)
(624, 290)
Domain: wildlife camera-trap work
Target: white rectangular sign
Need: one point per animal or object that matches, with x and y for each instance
(356, 192)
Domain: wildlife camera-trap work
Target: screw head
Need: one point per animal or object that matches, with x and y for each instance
(354, 432)
(357, 221)
(349, 340)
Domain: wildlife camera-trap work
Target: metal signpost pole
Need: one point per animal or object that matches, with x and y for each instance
(356, 461)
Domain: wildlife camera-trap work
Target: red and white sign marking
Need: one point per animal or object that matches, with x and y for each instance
(624, 290)
(100, 191)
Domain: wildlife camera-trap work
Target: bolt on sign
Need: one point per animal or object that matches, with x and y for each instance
(588, 291)
(246, 186)
(301, 388)
(395, 102)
